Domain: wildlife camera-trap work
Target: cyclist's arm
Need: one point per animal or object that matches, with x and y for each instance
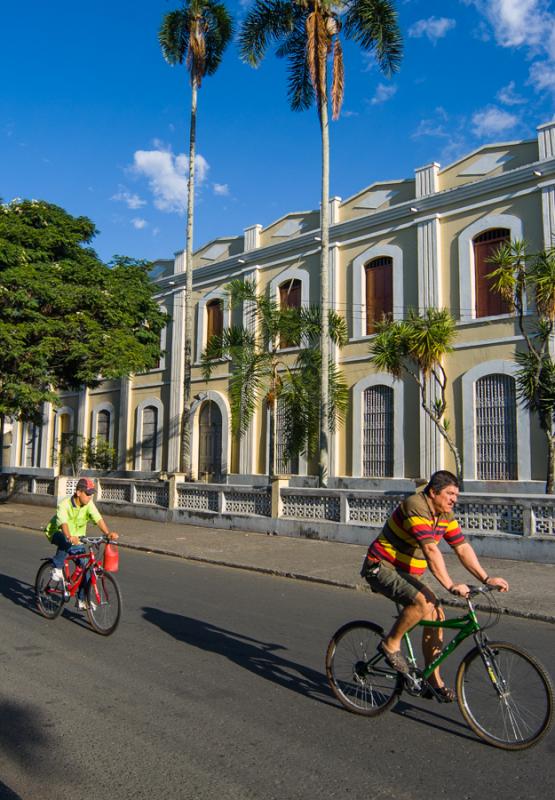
(67, 533)
(106, 530)
(469, 560)
(438, 568)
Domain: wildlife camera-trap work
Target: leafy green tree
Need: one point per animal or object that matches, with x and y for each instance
(416, 347)
(196, 34)
(520, 277)
(65, 317)
(308, 34)
(259, 370)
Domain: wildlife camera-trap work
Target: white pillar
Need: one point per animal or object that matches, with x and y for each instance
(177, 371)
(252, 237)
(546, 141)
(247, 457)
(82, 416)
(426, 179)
(429, 296)
(46, 427)
(124, 421)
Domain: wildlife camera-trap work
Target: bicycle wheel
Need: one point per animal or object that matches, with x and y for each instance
(508, 702)
(49, 594)
(104, 604)
(357, 673)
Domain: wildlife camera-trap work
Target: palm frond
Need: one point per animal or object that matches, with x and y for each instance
(373, 25)
(542, 277)
(266, 22)
(173, 36)
(219, 32)
(338, 82)
(300, 90)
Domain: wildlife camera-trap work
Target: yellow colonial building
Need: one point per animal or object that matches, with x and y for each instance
(418, 242)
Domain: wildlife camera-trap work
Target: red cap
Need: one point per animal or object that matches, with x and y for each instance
(85, 485)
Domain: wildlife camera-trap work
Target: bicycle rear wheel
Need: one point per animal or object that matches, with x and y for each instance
(507, 701)
(49, 594)
(104, 604)
(357, 673)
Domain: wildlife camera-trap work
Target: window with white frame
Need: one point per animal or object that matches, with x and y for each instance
(377, 456)
(486, 245)
(214, 314)
(473, 245)
(149, 438)
(377, 287)
(496, 433)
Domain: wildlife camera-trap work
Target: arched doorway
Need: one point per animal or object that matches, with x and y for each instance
(210, 442)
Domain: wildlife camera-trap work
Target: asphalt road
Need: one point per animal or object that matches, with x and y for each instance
(213, 687)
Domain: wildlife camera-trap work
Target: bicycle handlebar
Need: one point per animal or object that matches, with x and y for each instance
(92, 540)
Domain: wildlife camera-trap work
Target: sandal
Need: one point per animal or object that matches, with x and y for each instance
(395, 660)
(443, 694)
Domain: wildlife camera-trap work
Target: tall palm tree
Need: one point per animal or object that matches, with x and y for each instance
(308, 34)
(196, 34)
(259, 371)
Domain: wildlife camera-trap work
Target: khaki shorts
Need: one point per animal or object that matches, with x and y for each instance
(401, 587)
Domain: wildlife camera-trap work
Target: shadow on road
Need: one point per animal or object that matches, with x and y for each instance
(23, 740)
(7, 794)
(18, 592)
(257, 656)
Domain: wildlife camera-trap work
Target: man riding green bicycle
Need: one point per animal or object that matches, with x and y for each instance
(398, 557)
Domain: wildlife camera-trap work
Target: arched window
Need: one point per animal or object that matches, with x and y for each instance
(496, 434)
(377, 457)
(379, 290)
(103, 426)
(214, 319)
(289, 297)
(486, 244)
(148, 439)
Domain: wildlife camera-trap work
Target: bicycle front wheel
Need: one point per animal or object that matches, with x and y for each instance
(104, 604)
(505, 696)
(49, 594)
(357, 673)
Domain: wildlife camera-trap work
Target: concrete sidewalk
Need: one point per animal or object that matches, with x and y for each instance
(532, 585)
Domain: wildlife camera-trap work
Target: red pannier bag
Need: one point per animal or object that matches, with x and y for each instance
(111, 558)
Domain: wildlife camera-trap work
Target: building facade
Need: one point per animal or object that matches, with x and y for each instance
(419, 242)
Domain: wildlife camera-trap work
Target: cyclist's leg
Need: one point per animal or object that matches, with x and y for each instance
(416, 598)
(63, 549)
(75, 550)
(432, 644)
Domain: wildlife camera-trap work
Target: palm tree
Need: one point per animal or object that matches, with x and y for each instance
(517, 275)
(308, 33)
(417, 346)
(196, 34)
(258, 370)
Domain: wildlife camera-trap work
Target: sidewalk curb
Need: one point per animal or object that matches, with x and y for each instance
(505, 610)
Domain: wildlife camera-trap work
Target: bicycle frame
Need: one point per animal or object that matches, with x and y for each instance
(467, 625)
(72, 585)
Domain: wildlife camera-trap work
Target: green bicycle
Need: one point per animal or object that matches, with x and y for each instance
(504, 693)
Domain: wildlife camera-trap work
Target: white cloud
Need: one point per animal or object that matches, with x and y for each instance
(221, 189)
(167, 176)
(384, 92)
(139, 223)
(434, 28)
(492, 121)
(509, 97)
(131, 200)
(528, 24)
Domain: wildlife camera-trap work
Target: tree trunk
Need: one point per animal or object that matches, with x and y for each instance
(272, 438)
(323, 466)
(186, 461)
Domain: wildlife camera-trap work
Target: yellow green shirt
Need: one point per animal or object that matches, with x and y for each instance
(74, 516)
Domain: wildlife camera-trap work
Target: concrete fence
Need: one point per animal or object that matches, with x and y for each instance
(519, 527)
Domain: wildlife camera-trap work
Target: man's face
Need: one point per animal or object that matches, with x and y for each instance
(443, 502)
(83, 497)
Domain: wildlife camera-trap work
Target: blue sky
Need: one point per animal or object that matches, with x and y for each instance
(93, 119)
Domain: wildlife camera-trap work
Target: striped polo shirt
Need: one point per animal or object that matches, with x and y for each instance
(413, 523)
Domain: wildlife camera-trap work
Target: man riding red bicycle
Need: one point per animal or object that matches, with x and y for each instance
(69, 525)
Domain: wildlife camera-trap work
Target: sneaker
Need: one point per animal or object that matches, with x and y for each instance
(82, 605)
(57, 575)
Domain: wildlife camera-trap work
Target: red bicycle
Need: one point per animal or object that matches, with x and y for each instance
(103, 596)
